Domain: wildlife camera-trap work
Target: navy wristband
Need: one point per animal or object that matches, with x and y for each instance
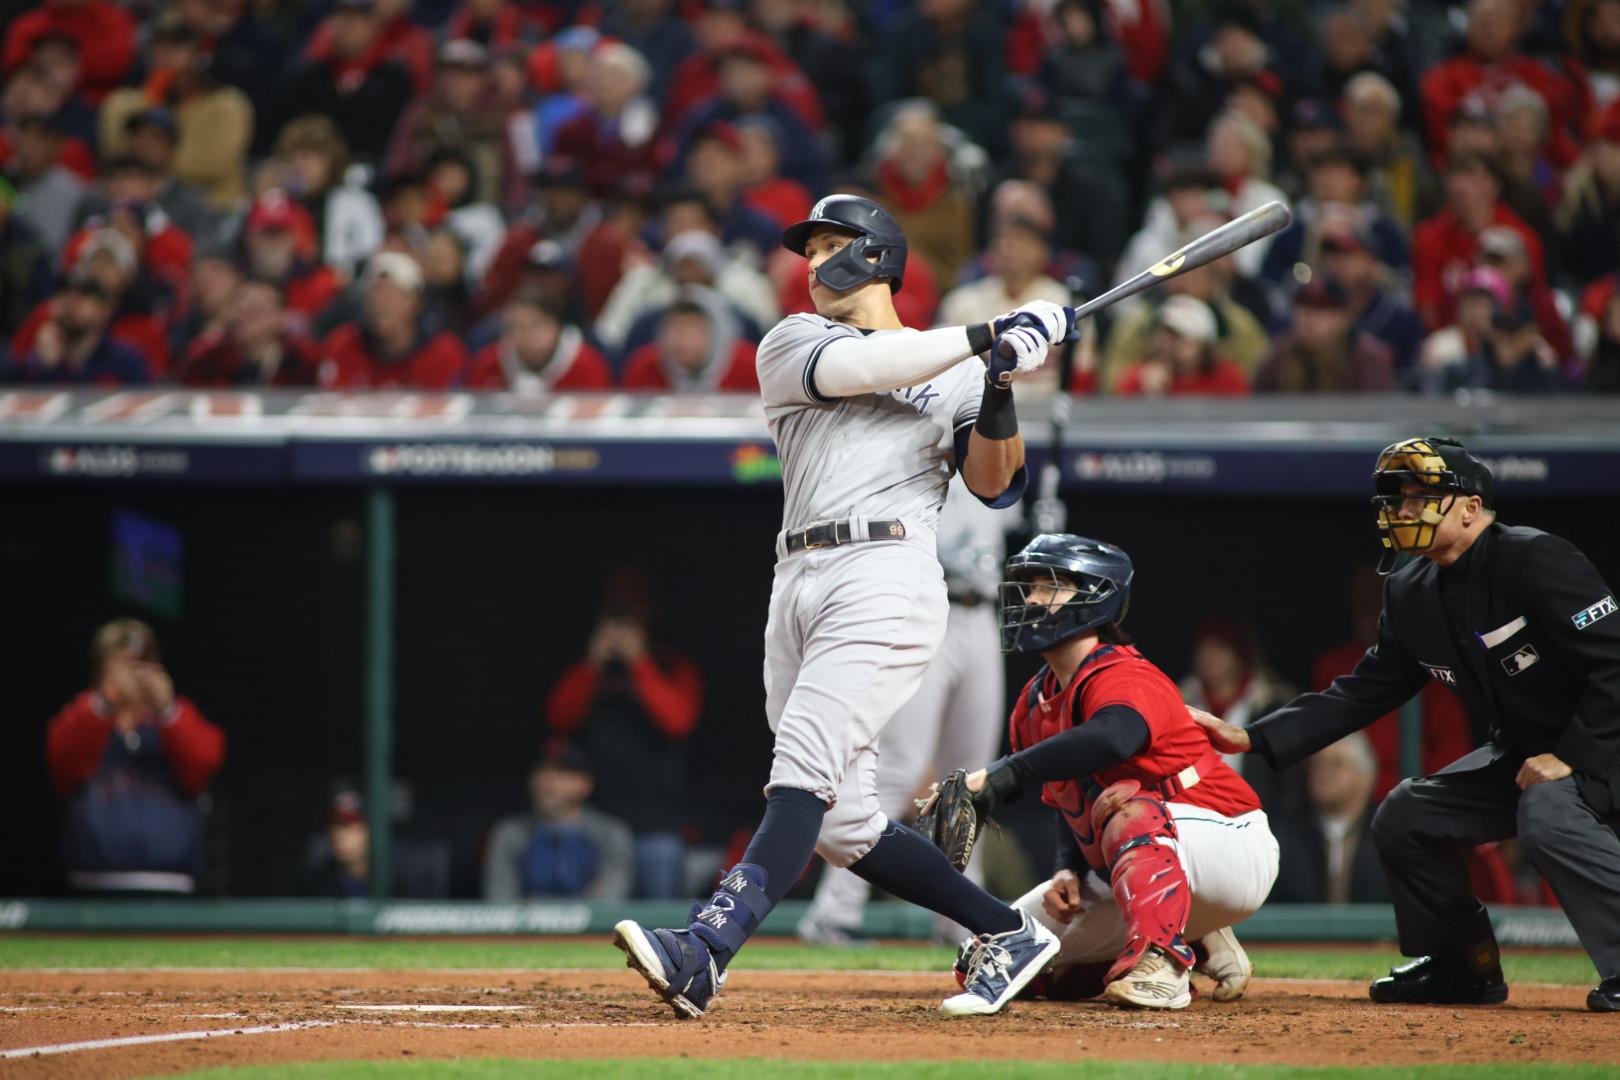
(981, 339)
(998, 419)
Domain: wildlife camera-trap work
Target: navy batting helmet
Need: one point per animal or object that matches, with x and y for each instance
(1099, 575)
(876, 233)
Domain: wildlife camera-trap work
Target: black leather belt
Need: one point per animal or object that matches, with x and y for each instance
(822, 534)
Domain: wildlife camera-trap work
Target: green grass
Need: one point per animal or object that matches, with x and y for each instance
(753, 1069)
(37, 951)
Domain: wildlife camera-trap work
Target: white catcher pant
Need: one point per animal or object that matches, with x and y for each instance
(851, 631)
(1231, 864)
(954, 722)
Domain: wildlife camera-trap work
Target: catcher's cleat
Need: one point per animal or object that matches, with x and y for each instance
(1222, 958)
(1155, 982)
(675, 963)
(999, 966)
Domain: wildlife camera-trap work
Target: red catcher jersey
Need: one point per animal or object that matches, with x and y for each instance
(1120, 675)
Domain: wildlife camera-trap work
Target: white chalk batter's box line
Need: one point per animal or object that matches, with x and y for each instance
(267, 1029)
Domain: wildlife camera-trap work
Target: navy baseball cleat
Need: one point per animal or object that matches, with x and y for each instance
(1001, 965)
(675, 963)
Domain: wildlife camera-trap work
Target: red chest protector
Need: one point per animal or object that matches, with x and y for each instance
(1172, 762)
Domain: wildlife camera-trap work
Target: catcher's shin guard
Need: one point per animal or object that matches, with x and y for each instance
(1139, 838)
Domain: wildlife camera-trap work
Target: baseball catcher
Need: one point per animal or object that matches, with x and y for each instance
(1161, 845)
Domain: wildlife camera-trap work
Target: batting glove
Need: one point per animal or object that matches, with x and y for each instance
(1028, 349)
(1054, 320)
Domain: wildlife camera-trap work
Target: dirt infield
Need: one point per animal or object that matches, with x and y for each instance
(393, 1015)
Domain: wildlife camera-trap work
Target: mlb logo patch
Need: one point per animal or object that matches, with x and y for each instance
(1443, 674)
(1521, 661)
(1600, 610)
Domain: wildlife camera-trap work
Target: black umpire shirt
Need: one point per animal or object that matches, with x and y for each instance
(1522, 627)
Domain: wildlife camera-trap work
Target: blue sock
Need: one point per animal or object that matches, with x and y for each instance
(785, 839)
(905, 864)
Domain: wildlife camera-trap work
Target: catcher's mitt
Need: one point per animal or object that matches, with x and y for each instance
(951, 818)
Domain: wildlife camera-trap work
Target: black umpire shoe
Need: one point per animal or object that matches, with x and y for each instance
(1605, 996)
(1432, 980)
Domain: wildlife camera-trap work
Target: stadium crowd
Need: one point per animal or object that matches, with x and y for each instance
(538, 196)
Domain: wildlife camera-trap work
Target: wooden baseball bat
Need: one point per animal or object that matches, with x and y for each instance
(1240, 232)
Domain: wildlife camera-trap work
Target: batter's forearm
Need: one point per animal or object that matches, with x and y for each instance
(990, 464)
(851, 366)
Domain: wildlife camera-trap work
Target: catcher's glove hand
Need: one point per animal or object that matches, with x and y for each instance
(950, 818)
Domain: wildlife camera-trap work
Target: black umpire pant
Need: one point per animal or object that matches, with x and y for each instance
(1427, 824)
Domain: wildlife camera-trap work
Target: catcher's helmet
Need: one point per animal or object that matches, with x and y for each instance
(1099, 573)
(876, 234)
(1444, 470)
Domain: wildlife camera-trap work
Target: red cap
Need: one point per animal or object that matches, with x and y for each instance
(722, 132)
(274, 210)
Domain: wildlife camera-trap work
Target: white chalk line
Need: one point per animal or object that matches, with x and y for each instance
(436, 1008)
(171, 1036)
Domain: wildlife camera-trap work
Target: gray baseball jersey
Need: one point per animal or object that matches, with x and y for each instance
(875, 456)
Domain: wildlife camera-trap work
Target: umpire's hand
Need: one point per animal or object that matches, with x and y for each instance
(1227, 738)
(1541, 768)
(1062, 899)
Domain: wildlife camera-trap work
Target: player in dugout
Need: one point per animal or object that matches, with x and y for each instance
(1524, 629)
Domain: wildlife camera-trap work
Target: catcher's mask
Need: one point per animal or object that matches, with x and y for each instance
(1087, 585)
(1441, 470)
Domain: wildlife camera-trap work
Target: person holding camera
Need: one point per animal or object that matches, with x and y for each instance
(631, 706)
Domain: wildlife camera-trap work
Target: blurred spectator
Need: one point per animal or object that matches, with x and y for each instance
(1445, 732)
(821, 48)
(103, 31)
(350, 78)
(764, 189)
(927, 179)
(242, 47)
(1327, 853)
(1316, 128)
(25, 267)
(50, 192)
(396, 38)
(1589, 217)
(747, 91)
(1090, 202)
(1231, 679)
(253, 346)
(133, 823)
(493, 24)
(342, 868)
(560, 212)
(1240, 155)
(1349, 255)
(194, 128)
(1446, 245)
(692, 256)
(53, 75)
(1180, 357)
(457, 115)
(714, 168)
(140, 304)
(538, 353)
(1194, 93)
(215, 276)
(1514, 358)
(1503, 249)
(1489, 65)
(631, 706)
(446, 296)
(1323, 353)
(655, 29)
(72, 345)
(949, 52)
(310, 163)
(163, 250)
(614, 136)
(1398, 175)
(1017, 259)
(1602, 374)
(1081, 60)
(697, 349)
(561, 848)
(452, 180)
(146, 175)
(1592, 31)
(559, 69)
(1521, 130)
(720, 27)
(279, 241)
(1460, 346)
(1242, 339)
(1191, 196)
(394, 344)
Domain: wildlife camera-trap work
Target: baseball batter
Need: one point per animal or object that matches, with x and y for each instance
(1160, 842)
(871, 420)
(951, 721)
